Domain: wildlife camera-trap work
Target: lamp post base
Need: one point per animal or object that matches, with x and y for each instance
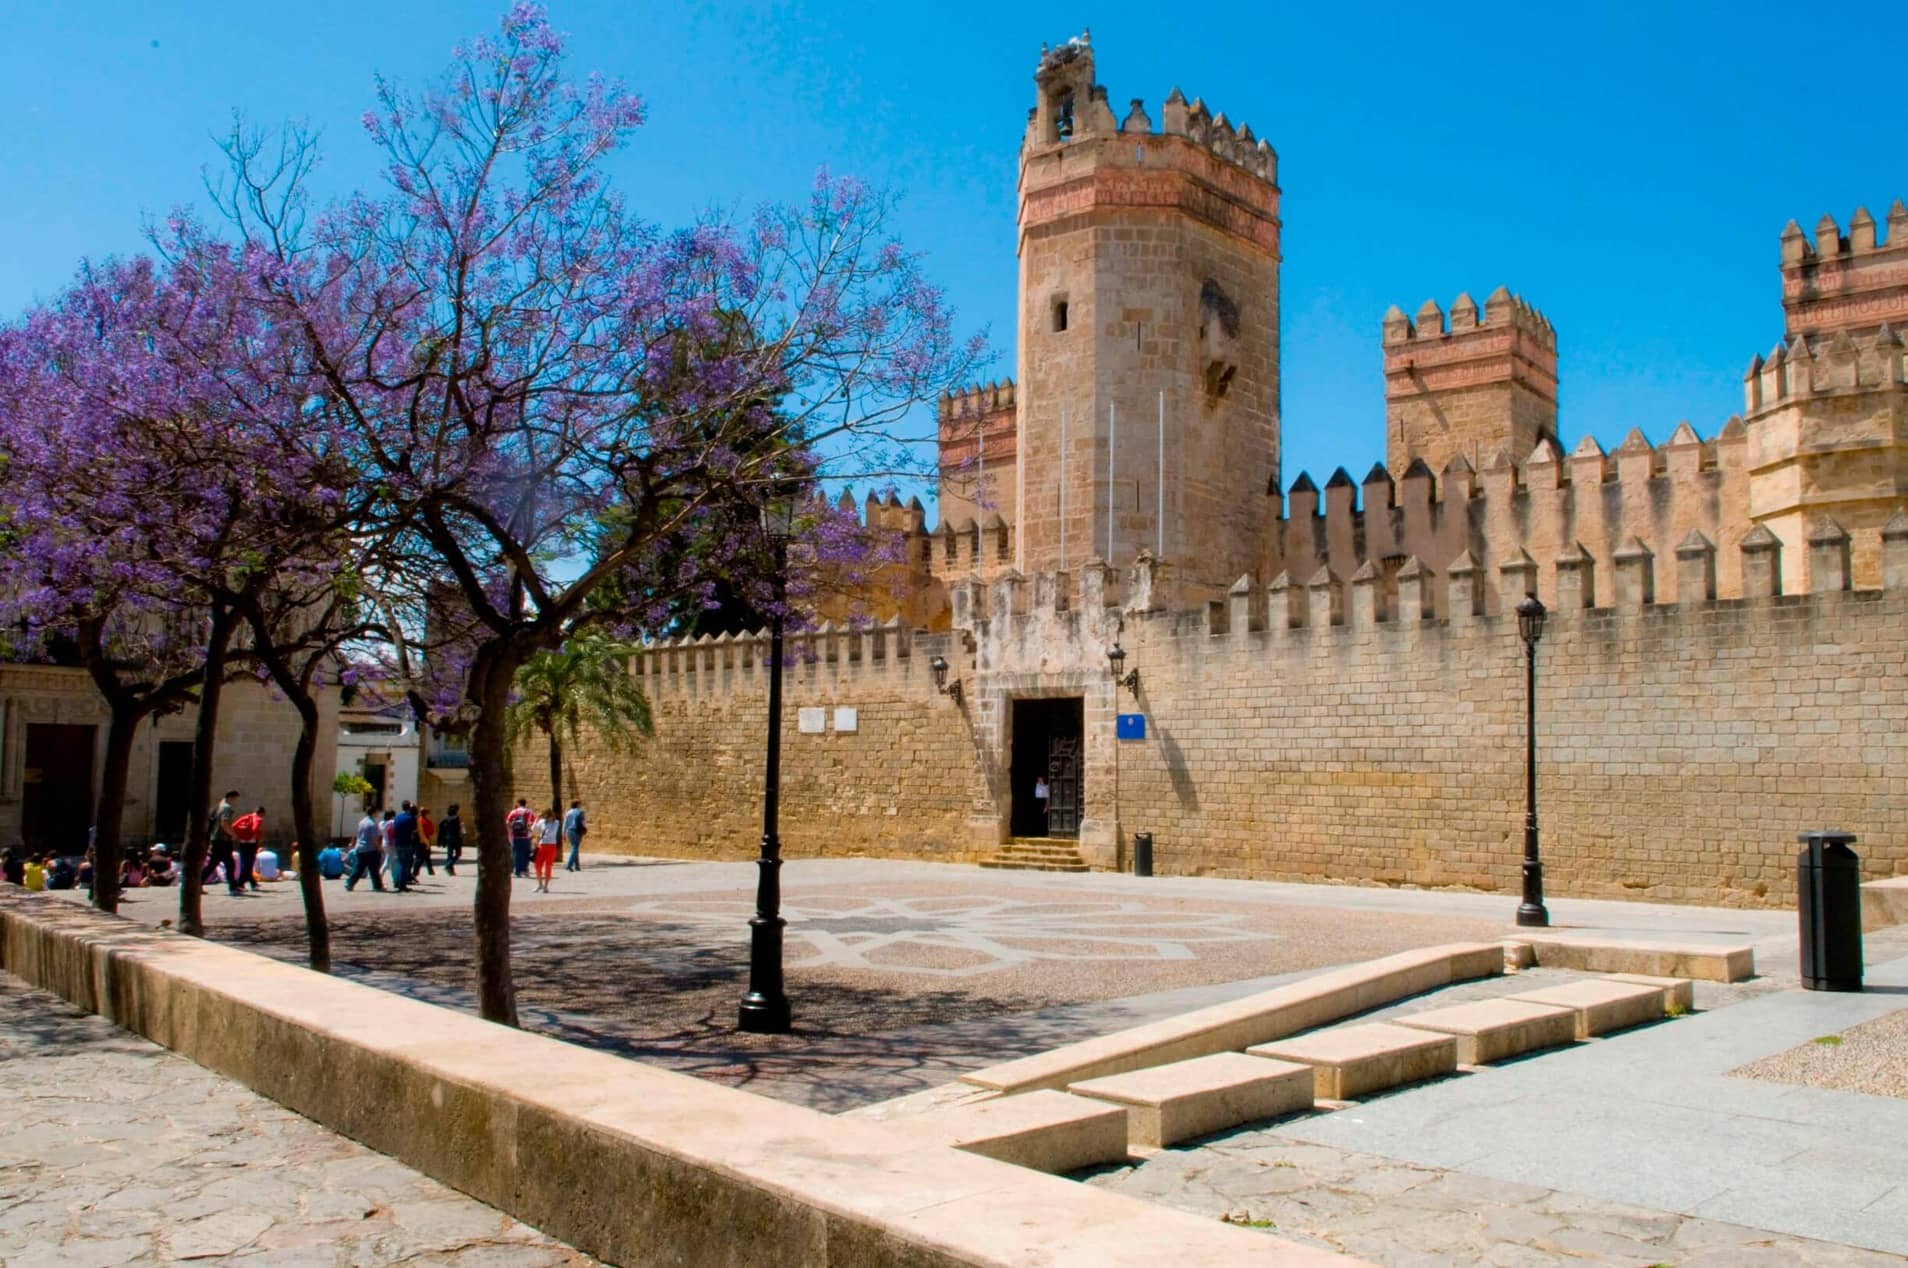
(764, 1015)
(1533, 916)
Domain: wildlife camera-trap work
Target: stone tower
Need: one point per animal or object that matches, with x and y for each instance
(1827, 411)
(1149, 273)
(1483, 386)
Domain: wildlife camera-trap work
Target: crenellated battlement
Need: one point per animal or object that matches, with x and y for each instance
(1502, 311)
(1850, 281)
(1471, 387)
(1827, 365)
(1548, 505)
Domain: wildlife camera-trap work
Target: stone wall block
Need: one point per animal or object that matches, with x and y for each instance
(1467, 588)
(1327, 606)
(1417, 601)
(1761, 563)
(1097, 584)
(1576, 578)
(1635, 575)
(1243, 611)
(1516, 577)
(1149, 589)
(1828, 556)
(1290, 608)
(1010, 596)
(1695, 569)
(964, 602)
(1894, 536)
(1368, 605)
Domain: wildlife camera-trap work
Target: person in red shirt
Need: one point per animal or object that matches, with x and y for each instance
(246, 830)
(520, 821)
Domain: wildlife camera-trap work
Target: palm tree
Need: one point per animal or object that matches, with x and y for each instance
(585, 681)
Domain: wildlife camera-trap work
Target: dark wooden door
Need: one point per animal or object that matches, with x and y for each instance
(175, 782)
(1064, 780)
(56, 804)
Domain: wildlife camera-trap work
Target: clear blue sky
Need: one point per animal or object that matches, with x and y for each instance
(1626, 168)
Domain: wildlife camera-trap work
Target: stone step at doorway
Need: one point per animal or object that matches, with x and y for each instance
(1037, 854)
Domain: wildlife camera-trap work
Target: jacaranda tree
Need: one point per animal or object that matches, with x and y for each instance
(545, 390)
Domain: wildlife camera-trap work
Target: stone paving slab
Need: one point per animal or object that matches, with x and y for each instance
(1602, 1006)
(1402, 1213)
(115, 1151)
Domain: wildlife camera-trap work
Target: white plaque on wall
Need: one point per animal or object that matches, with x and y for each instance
(847, 719)
(812, 721)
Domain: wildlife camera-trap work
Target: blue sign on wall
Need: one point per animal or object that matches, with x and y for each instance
(1131, 726)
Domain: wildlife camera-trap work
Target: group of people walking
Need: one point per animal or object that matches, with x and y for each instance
(537, 839)
(401, 844)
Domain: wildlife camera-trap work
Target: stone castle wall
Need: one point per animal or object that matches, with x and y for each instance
(901, 783)
(1332, 731)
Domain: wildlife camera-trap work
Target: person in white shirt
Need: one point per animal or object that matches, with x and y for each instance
(265, 866)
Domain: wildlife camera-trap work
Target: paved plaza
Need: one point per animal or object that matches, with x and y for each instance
(902, 975)
(1669, 1144)
(115, 1151)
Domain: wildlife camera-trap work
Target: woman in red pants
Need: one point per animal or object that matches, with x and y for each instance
(548, 829)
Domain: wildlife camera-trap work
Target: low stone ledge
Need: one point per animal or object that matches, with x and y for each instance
(1603, 1005)
(623, 1161)
(1166, 1104)
(1885, 903)
(1239, 1024)
(1679, 993)
(1490, 1030)
(1353, 1061)
(1046, 1131)
(1706, 961)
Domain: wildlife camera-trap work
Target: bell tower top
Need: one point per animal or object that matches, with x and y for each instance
(1065, 82)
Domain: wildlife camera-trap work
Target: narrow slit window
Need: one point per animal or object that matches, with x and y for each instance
(1059, 315)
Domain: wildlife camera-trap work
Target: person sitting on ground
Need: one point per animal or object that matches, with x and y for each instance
(85, 877)
(15, 865)
(33, 875)
(159, 868)
(265, 865)
(331, 862)
(132, 873)
(62, 875)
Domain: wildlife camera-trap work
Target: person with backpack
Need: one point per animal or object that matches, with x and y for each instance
(520, 821)
(404, 847)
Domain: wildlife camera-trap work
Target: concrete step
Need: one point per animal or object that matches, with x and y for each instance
(1588, 953)
(1022, 865)
(1679, 993)
(1169, 1103)
(1047, 1131)
(1602, 1005)
(1353, 1061)
(1490, 1030)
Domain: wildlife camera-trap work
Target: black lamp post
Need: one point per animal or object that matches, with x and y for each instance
(765, 1008)
(1530, 624)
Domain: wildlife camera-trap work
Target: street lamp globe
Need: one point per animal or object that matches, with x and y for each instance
(1530, 619)
(1116, 657)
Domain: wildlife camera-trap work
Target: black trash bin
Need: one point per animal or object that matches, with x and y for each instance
(1142, 854)
(1828, 902)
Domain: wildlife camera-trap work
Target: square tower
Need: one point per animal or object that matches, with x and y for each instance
(1149, 332)
(1481, 386)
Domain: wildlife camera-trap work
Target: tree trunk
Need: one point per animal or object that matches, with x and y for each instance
(305, 824)
(199, 794)
(490, 677)
(556, 772)
(109, 820)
